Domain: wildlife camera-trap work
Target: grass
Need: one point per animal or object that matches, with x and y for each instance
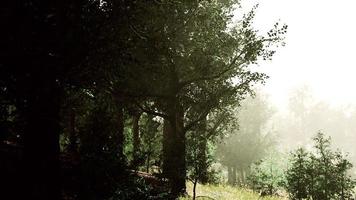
(224, 192)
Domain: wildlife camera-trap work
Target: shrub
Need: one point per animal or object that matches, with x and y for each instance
(267, 176)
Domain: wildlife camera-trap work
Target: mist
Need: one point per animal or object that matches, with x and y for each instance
(305, 115)
(184, 100)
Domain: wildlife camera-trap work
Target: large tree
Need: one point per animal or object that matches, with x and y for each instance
(180, 61)
(191, 55)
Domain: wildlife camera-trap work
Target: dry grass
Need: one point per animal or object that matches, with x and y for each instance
(224, 192)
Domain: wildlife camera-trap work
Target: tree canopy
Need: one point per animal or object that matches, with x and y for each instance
(79, 79)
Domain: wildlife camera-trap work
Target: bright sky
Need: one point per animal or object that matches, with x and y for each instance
(320, 50)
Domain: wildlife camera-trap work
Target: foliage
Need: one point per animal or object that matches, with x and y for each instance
(196, 159)
(151, 141)
(100, 165)
(191, 64)
(267, 176)
(320, 174)
(150, 145)
(93, 61)
(296, 176)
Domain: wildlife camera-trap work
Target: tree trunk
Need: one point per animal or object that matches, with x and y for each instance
(203, 152)
(174, 164)
(148, 162)
(194, 188)
(41, 141)
(234, 172)
(230, 176)
(166, 149)
(242, 175)
(72, 147)
(179, 179)
(120, 130)
(136, 139)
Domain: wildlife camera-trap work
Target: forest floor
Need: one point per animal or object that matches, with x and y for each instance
(225, 192)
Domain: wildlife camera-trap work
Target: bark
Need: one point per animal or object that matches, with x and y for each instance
(174, 139)
(203, 159)
(120, 130)
(136, 138)
(166, 150)
(174, 150)
(178, 181)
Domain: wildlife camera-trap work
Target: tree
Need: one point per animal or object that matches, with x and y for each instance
(197, 157)
(180, 61)
(250, 141)
(297, 175)
(195, 54)
(136, 137)
(322, 174)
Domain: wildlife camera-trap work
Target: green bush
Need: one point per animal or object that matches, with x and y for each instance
(321, 174)
(267, 176)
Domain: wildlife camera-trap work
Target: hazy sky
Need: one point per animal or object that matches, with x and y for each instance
(320, 50)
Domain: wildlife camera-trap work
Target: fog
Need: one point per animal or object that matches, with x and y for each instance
(305, 116)
(311, 82)
(310, 89)
(127, 100)
(318, 51)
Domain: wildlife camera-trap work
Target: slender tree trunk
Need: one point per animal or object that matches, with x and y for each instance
(229, 175)
(234, 173)
(148, 162)
(136, 138)
(194, 188)
(242, 172)
(72, 147)
(238, 178)
(311, 187)
(41, 142)
(120, 130)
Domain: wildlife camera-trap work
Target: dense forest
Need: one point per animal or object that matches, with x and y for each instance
(130, 99)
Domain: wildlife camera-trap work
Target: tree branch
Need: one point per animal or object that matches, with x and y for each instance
(202, 78)
(200, 118)
(216, 125)
(152, 112)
